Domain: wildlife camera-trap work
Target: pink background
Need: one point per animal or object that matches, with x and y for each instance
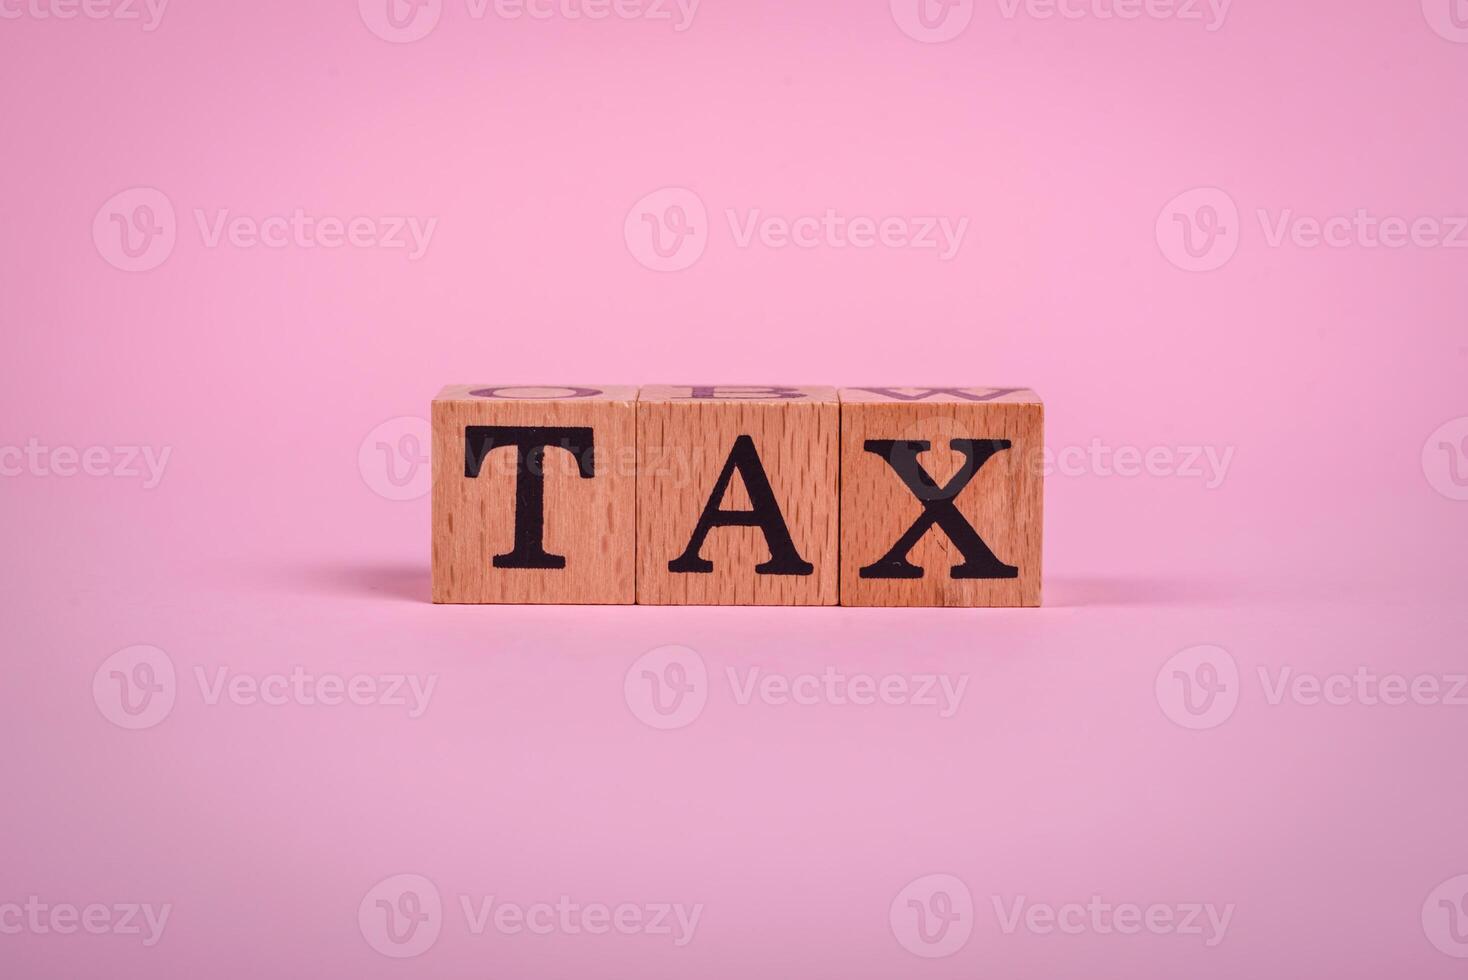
(1334, 542)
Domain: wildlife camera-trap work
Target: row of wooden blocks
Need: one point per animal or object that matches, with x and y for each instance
(737, 495)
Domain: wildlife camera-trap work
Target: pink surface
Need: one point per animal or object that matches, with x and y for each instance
(1231, 744)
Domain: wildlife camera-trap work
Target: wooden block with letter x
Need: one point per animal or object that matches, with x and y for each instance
(534, 494)
(941, 496)
(737, 495)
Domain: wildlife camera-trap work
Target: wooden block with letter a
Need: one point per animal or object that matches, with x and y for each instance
(534, 494)
(737, 495)
(941, 496)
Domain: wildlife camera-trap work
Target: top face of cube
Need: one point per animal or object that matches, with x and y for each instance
(537, 393)
(951, 396)
(763, 394)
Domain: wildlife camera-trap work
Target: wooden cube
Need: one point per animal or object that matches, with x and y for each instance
(737, 495)
(534, 494)
(941, 496)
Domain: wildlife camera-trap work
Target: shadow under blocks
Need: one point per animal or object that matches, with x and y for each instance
(737, 495)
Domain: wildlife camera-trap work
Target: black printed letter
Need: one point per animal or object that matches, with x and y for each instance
(764, 514)
(938, 508)
(532, 442)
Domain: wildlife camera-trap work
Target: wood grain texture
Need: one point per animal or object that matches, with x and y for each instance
(1003, 501)
(684, 445)
(591, 521)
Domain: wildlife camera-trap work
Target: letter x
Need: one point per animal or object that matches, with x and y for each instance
(938, 509)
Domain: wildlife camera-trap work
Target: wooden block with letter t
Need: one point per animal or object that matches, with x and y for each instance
(534, 494)
(737, 495)
(941, 496)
